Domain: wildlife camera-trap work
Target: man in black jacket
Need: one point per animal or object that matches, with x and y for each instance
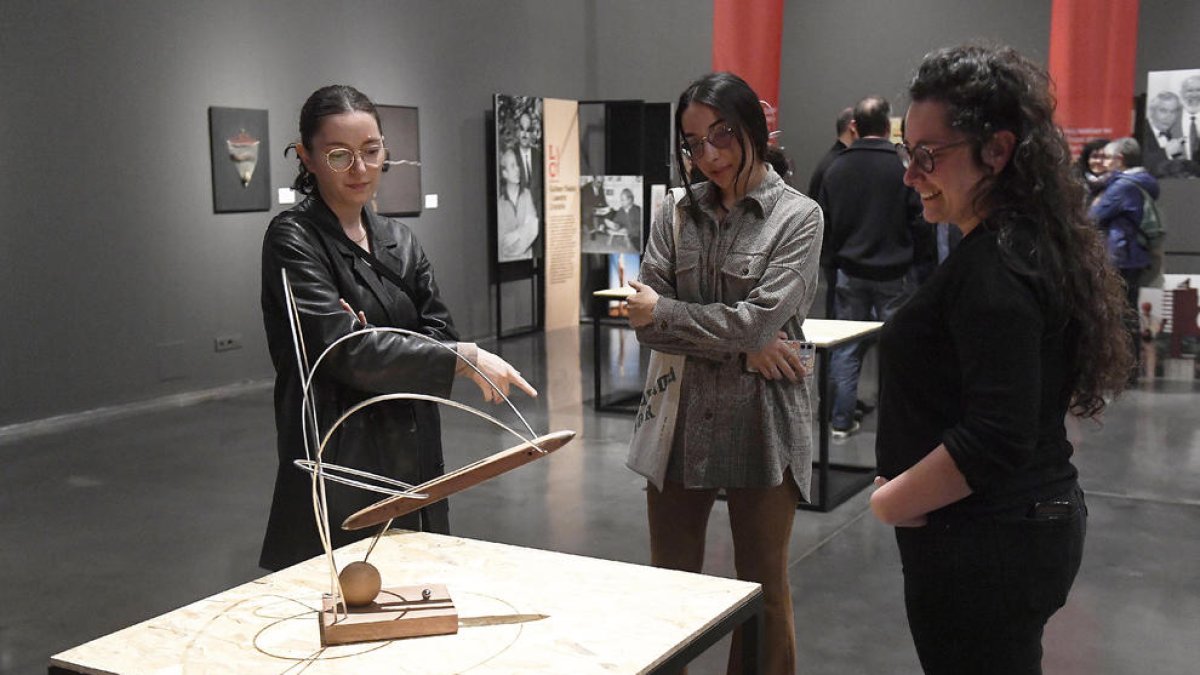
(846, 134)
(872, 217)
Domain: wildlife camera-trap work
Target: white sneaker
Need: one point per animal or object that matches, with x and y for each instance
(845, 433)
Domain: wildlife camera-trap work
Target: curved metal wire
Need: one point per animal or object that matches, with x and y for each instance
(331, 472)
(401, 331)
(321, 472)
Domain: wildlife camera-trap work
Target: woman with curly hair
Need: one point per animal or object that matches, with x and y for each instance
(1021, 325)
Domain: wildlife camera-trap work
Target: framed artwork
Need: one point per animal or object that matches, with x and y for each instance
(399, 192)
(519, 177)
(241, 159)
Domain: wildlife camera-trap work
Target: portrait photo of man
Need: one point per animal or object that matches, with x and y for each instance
(519, 186)
(1170, 139)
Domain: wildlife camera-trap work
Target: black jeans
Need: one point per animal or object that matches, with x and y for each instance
(979, 592)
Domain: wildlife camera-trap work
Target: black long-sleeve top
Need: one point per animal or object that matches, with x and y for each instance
(977, 360)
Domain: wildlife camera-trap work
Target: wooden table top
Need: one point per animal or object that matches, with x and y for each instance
(520, 611)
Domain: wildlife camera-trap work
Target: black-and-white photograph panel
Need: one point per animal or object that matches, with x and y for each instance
(519, 178)
(1171, 140)
(611, 208)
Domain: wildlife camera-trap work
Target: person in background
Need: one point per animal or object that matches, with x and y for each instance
(1020, 326)
(874, 225)
(1150, 325)
(1118, 213)
(846, 134)
(728, 295)
(321, 243)
(1093, 166)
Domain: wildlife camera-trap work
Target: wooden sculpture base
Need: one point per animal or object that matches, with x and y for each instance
(399, 612)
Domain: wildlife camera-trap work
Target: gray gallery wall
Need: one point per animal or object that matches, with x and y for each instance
(836, 53)
(116, 275)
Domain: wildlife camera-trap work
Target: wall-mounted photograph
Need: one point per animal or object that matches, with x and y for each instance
(399, 192)
(519, 177)
(611, 209)
(1171, 136)
(241, 159)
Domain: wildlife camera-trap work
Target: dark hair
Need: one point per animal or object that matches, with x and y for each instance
(738, 105)
(1085, 155)
(1129, 150)
(1034, 197)
(844, 119)
(331, 100)
(872, 117)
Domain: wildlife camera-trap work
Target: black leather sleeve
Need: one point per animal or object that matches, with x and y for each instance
(435, 316)
(375, 363)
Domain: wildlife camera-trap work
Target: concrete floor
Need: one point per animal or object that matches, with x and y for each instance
(112, 522)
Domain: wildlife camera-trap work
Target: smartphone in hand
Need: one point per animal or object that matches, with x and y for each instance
(807, 352)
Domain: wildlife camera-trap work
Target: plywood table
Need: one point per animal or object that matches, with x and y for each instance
(520, 611)
(834, 483)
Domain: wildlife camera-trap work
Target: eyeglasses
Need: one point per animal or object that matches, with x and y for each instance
(720, 138)
(341, 159)
(922, 155)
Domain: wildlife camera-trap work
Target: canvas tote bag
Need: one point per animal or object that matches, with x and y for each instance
(654, 426)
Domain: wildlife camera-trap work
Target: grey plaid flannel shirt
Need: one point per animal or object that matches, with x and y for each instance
(726, 290)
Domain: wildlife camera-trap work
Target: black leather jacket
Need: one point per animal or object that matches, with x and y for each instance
(400, 439)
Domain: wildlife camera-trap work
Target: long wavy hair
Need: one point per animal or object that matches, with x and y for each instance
(1036, 199)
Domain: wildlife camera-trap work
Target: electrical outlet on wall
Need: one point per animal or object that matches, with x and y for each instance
(224, 343)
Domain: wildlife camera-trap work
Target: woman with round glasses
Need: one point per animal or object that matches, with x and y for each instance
(1020, 325)
(729, 291)
(339, 255)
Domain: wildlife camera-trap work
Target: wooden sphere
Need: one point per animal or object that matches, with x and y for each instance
(360, 583)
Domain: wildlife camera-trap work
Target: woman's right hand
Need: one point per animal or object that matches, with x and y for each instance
(777, 361)
(499, 372)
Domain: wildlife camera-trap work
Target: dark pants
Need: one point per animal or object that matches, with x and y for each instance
(979, 592)
(858, 299)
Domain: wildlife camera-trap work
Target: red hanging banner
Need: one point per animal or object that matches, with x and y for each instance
(1093, 44)
(747, 39)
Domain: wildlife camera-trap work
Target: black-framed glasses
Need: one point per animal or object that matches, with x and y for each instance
(720, 137)
(922, 155)
(341, 159)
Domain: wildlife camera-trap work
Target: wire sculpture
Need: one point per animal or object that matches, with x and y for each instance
(394, 490)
